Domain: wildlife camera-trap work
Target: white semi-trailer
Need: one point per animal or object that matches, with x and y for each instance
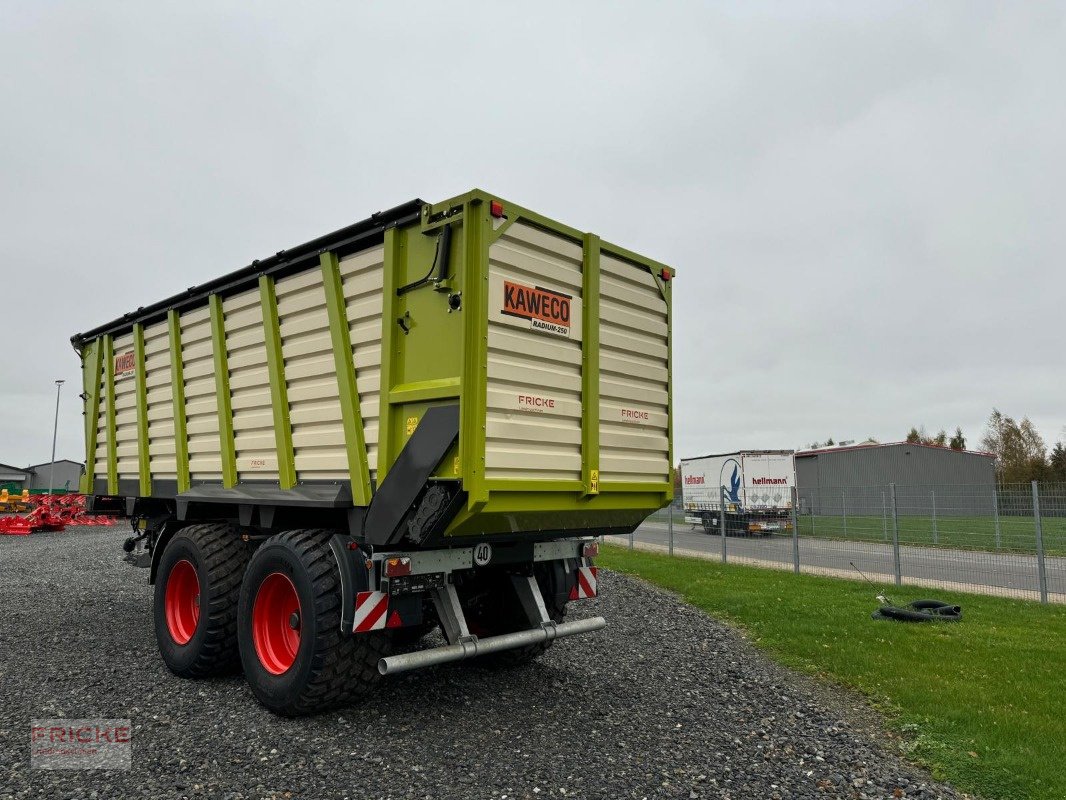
(753, 488)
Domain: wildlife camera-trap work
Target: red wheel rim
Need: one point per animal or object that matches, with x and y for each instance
(182, 601)
(276, 622)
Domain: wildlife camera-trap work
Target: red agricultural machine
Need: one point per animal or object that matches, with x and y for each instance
(52, 512)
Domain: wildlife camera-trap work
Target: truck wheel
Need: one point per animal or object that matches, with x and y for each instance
(492, 608)
(195, 609)
(295, 658)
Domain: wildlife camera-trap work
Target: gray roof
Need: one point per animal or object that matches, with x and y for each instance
(34, 467)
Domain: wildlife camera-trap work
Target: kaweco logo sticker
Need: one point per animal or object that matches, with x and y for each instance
(125, 364)
(547, 311)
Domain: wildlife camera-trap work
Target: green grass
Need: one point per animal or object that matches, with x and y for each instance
(1016, 534)
(982, 703)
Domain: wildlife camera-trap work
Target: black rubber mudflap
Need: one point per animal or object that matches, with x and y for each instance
(396, 495)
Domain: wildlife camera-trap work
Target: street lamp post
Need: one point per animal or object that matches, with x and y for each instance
(55, 432)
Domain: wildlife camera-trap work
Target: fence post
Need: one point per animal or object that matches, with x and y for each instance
(811, 510)
(995, 512)
(1041, 571)
(670, 527)
(884, 516)
(721, 520)
(844, 509)
(795, 532)
(936, 533)
(895, 537)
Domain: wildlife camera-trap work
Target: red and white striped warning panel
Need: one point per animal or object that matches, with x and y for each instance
(370, 611)
(586, 585)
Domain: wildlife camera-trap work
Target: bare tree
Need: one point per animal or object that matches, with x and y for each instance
(1021, 454)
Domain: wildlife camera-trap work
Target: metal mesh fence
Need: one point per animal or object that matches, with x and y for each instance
(1005, 540)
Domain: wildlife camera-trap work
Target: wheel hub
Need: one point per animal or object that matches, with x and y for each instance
(181, 603)
(276, 623)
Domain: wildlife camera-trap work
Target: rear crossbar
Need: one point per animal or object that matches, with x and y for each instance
(405, 662)
(463, 644)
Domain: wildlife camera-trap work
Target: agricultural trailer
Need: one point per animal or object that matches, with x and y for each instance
(423, 419)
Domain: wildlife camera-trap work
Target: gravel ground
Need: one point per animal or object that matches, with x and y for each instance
(665, 702)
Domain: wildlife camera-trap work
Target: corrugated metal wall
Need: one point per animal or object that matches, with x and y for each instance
(634, 375)
(201, 402)
(249, 383)
(311, 378)
(819, 475)
(533, 425)
(363, 276)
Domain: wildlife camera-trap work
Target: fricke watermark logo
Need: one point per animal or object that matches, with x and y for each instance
(81, 743)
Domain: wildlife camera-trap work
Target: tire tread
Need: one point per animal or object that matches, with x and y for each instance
(344, 667)
(225, 556)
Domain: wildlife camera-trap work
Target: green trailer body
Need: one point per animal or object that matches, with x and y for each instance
(298, 381)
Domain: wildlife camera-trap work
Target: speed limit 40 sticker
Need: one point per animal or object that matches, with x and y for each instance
(483, 554)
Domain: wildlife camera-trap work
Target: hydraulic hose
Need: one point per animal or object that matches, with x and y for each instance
(921, 611)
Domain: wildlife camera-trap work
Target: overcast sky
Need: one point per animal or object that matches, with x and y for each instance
(864, 201)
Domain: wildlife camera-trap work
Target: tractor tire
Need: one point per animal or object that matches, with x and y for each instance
(196, 590)
(296, 660)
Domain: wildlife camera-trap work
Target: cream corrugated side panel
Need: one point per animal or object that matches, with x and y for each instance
(249, 383)
(201, 401)
(533, 424)
(162, 460)
(311, 378)
(126, 408)
(634, 387)
(362, 275)
(100, 465)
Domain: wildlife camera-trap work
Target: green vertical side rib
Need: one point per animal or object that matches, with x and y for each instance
(393, 266)
(475, 354)
(279, 394)
(227, 449)
(92, 413)
(112, 445)
(177, 376)
(143, 463)
(347, 389)
(590, 365)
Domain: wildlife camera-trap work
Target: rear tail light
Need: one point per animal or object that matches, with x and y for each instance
(590, 549)
(496, 208)
(397, 567)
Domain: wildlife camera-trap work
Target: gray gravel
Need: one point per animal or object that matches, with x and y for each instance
(665, 703)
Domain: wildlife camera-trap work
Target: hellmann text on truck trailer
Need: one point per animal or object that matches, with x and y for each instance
(748, 492)
(422, 419)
